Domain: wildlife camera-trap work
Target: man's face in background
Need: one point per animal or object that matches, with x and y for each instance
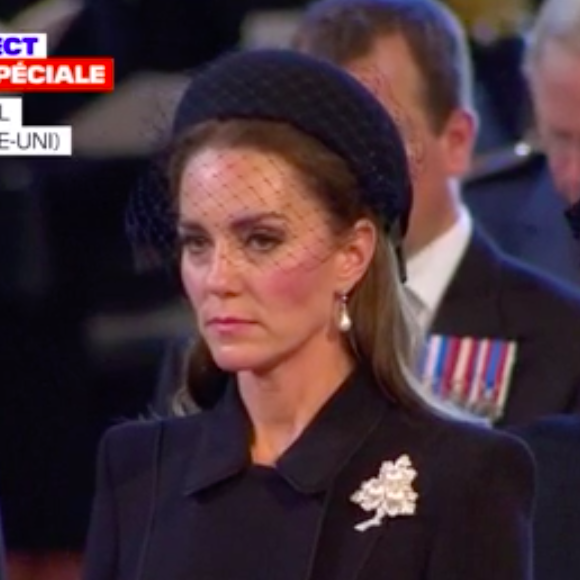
(555, 86)
(390, 71)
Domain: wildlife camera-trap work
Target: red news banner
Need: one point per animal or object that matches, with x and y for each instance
(26, 67)
(93, 74)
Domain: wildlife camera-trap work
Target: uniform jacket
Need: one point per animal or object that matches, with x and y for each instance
(516, 203)
(493, 296)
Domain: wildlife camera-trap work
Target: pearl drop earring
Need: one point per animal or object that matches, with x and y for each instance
(344, 319)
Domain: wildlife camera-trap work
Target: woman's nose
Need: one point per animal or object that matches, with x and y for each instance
(223, 270)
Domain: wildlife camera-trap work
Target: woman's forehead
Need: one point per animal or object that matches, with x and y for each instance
(234, 182)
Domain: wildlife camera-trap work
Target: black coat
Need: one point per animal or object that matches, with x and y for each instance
(555, 444)
(152, 521)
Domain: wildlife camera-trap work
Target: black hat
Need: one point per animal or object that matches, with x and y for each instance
(314, 96)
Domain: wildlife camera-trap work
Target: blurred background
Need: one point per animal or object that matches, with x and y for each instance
(84, 321)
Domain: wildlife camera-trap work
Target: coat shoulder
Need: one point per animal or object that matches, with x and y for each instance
(556, 432)
(472, 453)
(477, 438)
(557, 297)
(504, 179)
(132, 446)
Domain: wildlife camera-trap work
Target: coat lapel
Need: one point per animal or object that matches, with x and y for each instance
(345, 447)
(478, 282)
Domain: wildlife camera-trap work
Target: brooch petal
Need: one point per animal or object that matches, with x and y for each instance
(390, 493)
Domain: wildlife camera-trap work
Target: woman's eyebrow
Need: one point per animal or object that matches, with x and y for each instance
(247, 221)
(242, 222)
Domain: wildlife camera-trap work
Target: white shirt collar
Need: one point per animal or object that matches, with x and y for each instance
(430, 271)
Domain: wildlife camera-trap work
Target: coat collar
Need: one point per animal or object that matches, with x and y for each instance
(311, 464)
(353, 435)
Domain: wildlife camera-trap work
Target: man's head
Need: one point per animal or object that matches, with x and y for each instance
(553, 68)
(413, 55)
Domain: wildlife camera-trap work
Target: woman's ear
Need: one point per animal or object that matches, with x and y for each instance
(356, 254)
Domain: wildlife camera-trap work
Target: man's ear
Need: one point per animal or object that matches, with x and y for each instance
(458, 140)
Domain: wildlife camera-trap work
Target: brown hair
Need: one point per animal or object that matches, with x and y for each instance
(383, 336)
(342, 31)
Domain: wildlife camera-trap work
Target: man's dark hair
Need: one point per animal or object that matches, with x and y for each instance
(342, 31)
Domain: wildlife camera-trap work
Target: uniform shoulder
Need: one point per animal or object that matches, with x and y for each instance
(551, 292)
(483, 466)
(505, 163)
(477, 449)
(553, 431)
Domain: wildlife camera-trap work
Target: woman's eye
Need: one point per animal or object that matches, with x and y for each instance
(263, 242)
(194, 244)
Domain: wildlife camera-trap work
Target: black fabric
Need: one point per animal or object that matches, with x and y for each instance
(309, 465)
(282, 527)
(47, 436)
(494, 296)
(573, 217)
(555, 444)
(474, 486)
(61, 384)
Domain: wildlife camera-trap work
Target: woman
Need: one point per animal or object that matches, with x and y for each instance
(315, 456)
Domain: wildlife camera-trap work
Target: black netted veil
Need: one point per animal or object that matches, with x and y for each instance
(315, 97)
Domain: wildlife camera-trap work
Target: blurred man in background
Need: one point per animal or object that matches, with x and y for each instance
(553, 68)
(413, 55)
(524, 197)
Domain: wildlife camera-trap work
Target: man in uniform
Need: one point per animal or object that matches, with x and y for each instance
(484, 312)
(528, 197)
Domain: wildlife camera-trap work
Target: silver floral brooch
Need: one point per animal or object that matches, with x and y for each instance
(389, 494)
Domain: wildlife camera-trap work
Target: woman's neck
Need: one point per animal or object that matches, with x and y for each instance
(282, 402)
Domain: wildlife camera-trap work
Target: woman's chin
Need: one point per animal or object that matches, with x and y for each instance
(237, 359)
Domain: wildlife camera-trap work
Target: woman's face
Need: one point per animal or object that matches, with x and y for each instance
(259, 262)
